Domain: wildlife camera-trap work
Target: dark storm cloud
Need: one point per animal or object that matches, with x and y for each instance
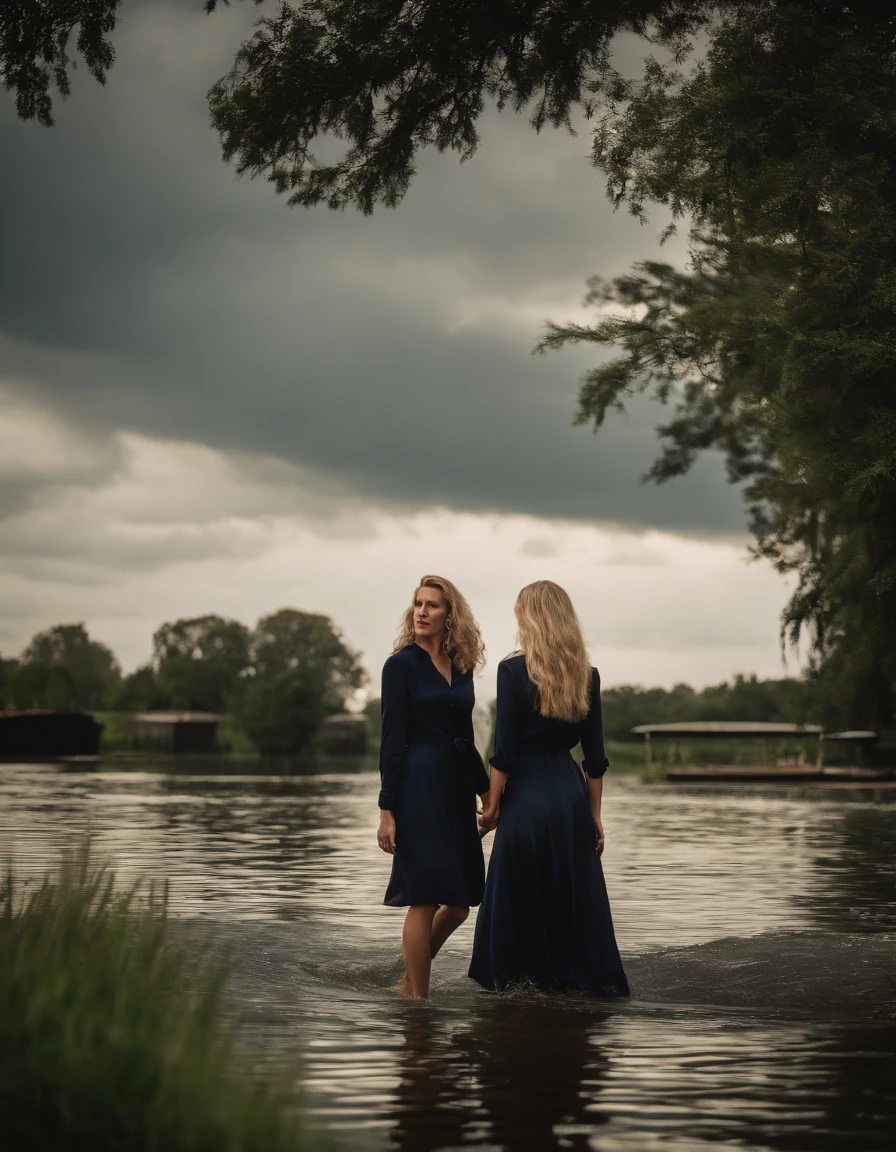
(143, 287)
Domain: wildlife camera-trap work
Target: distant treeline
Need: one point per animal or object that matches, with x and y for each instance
(745, 698)
(278, 680)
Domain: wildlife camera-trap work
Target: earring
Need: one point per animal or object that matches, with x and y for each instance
(447, 632)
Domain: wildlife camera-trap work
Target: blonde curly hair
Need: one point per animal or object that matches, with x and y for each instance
(556, 657)
(464, 641)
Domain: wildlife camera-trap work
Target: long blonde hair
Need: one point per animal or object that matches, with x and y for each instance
(465, 645)
(556, 659)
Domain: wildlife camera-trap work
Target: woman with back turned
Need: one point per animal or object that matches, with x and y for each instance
(545, 917)
(430, 774)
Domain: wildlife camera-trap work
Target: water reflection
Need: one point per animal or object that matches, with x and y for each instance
(506, 1075)
(534, 1062)
(855, 869)
(284, 867)
(435, 1102)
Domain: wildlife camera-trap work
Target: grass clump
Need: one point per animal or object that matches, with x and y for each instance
(110, 1039)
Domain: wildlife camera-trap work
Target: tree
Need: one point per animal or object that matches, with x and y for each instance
(63, 668)
(7, 678)
(302, 671)
(282, 713)
(778, 346)
(198, 662)
(34, 48)
(140, 692)
(391, 77)
(289, 641)
(35, 40)
(776, 147)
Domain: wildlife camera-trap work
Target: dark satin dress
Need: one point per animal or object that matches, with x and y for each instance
(431, 774)
(545, 918)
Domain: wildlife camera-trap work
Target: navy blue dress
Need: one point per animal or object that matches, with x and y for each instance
(545, 917)
(431, 774)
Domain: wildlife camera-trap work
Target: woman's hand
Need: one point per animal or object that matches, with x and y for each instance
(599, 844)
(385, 834)
(488, 819)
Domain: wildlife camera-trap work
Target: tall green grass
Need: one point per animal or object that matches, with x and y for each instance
(111, 1038)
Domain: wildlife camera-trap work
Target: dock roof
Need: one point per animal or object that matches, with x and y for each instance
(176, 717)
(702, 728)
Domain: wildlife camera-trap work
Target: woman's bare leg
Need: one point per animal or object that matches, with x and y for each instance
(416, 944)
(447, 919)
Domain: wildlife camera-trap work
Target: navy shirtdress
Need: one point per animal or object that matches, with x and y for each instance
(431, 774)
(545, 917)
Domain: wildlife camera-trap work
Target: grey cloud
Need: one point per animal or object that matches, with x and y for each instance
(538, 548)
(145, 288)
(167, 503)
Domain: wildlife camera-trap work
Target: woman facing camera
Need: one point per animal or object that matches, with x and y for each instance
(431, 774)
(545, 918)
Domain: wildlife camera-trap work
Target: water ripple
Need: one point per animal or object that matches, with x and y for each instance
(759, 931)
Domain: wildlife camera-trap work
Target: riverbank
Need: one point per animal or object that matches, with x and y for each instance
(113, 1035)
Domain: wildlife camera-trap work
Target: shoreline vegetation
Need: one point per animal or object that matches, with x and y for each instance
(625, 756)
(113, 1035)
(275, 685)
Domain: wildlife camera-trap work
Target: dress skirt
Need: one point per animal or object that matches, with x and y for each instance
(438, 853)
(545, 917)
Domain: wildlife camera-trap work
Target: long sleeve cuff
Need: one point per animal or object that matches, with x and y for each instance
(386, 800)
(596, 768)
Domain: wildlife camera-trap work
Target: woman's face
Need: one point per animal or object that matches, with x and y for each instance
(430, 612)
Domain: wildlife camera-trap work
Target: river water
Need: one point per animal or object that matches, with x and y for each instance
(758, 931)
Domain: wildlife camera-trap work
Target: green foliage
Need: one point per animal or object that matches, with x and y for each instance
(302, 671)
(390, 78)
(198, 662)
(777, 146)
(234, 740)
(106, 1041)
(281, 713)
(115, 736)
(373, 711)
(624, 756)
(291, 641)
(273, 686)
(7, 676)
(63, 668)
(777, 348)
(34, 48)
(139, 692)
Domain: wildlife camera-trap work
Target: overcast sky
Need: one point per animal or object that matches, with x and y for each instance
(211, 402)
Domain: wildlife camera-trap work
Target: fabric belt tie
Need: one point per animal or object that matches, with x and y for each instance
(462, 747)
(459, 743)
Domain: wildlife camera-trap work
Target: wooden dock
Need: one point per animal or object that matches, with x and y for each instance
(774, 774)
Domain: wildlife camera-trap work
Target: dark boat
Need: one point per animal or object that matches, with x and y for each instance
(44, 733)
